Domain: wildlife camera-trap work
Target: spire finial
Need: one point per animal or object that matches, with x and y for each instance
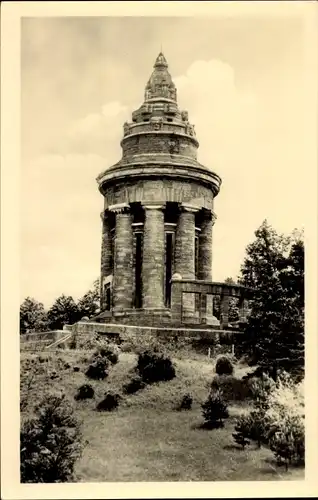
(161, 60)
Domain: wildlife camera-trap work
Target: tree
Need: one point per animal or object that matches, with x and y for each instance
(64, 311)
(50, 443)
(88, 305)
(33, 317)
(274, 268)
(214, 410)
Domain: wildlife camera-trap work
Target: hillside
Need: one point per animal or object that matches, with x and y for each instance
(146, 439)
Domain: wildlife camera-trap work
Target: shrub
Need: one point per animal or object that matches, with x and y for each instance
(232, 388)
(259, 427)
(224, 366)
(214, 410)
(288, 442)
(76, 368)
(127, 347)
(186, 402)
(107, 352)
(97, 370)
(285, 419)
(109, 403)
(73, 343)
(241, 431)
(50, 443)
(134, 385)
(85, 391)
(155, 367)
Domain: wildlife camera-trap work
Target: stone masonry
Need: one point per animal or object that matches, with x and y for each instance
(153, 260)
(158, 210)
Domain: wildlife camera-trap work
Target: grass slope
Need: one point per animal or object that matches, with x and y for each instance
(146, 439)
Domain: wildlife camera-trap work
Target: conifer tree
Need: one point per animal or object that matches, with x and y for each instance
(274, 268)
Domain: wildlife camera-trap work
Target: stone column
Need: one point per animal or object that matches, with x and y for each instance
(205, 246)
(153, 257)
(185, 253)
(224, 310)
(123, 258)
(106, 255)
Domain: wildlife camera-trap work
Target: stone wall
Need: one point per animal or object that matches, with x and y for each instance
(159, 143)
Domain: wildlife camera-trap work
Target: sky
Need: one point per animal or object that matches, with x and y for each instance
(242, 82)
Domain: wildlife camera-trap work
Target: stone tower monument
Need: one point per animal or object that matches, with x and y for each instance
(158, 211)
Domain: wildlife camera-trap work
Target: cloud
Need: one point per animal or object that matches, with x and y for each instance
(98, 133)
(245, 138)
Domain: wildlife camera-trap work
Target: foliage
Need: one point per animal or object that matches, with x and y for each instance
(214, 410)
(134, 385)
(241, 431)
(64, 311)
(285, 417)
(109, 403)
(224, 366)
(232, 388)
(186, 402)
(30, 370)
(97, 370)
(89, 304)
(107, 351)
(155, 367)
(288, 442)
(278, 418)
(33, 317)
(50, 443)
(85, 391)
(274, 268)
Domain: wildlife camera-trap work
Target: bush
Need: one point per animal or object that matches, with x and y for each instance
(155, 367)
(285, 420)
(288, 442)
(232, 388)
(85, 391)
(109, 403)
(251, 426)
(185, 403)
(50, 443)
(241, 431)
(224, 366)
(107, 352)
(134, 385)
(214, 410)
(76, 368)
(97, 370)
(73, 343)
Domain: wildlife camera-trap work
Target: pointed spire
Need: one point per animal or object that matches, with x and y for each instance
(160, 84)
(161, 61)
